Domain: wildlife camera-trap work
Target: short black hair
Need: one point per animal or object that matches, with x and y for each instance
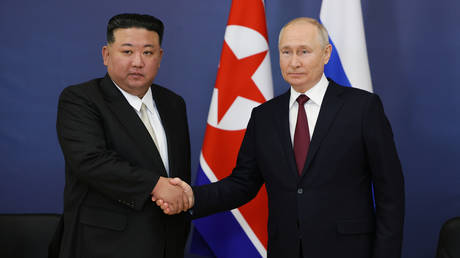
(134, 20)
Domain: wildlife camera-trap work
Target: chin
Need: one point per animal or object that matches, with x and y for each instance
(297, 83)
(137, 83)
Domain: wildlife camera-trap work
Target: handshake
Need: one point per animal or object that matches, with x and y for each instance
(173, 195)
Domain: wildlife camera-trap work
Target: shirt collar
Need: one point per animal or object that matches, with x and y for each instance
(136, 102)
(315, 93)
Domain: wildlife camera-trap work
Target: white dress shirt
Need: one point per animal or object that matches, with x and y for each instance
(312, 106)
(154, 118)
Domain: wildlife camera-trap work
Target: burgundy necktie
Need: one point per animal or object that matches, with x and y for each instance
(301, 135)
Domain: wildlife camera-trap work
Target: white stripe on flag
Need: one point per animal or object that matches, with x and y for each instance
(238, 216)
(344, 22)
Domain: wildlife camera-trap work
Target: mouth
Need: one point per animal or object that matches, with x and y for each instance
(296, 74)
(136, 75)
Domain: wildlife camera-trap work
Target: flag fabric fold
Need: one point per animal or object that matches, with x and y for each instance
(243, 82)
(349, 64)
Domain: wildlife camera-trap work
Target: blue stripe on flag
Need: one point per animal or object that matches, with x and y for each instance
(199, 246)
(222, 231)
(334, 68)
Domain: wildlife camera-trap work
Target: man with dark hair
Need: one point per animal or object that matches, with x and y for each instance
(122, 137)
(322, 151)
(128, 20)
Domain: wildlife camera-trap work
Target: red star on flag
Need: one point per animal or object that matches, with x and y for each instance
(234, 79)
(243, 82)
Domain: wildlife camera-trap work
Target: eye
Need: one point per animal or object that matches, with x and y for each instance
(148, 53)
(303, 52)
(128, 52)
(285, 52)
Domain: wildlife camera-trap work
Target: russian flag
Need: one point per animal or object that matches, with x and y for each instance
(243, 82)
(349, 64)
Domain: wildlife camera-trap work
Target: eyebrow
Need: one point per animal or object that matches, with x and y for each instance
(295, 47)
(130, 45)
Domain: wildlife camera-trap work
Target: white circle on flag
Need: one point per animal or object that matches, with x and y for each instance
(243, 42)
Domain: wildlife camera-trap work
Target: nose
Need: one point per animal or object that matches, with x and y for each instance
(294, 62)
(137, 60)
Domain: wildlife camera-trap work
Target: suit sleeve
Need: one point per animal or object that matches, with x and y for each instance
(81, 136)
(387, 180)
(238, 188)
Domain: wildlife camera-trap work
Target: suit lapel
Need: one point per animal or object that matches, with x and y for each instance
(282, 122)
(329, 108)
(164, 108)
(130, 120)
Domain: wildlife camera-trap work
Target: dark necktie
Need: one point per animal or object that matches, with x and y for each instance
(301, 135)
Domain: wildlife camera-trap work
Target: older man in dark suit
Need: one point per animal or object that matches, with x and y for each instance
(322, 150)
(121, 137)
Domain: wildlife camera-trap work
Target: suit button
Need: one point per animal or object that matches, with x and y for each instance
(300, 191)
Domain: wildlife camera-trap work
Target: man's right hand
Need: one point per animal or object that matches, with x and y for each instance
(188, 199)
(171, 194)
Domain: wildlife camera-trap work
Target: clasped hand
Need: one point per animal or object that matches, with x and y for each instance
(173, 195)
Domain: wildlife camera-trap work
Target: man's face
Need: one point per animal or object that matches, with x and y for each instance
(302, 58)
(133, 59)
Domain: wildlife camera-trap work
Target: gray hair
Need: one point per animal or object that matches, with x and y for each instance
(322, 31)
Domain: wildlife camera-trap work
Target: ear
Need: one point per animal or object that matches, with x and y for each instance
(327, 53)
(105, 54)
(161, 57)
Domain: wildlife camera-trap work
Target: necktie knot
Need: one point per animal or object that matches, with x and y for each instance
(143, 108)
(302, 99)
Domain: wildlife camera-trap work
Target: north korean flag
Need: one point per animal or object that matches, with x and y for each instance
(243, 82)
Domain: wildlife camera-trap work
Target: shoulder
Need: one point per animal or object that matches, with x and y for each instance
(84, 89)
(353, 96)
(346, 91)
(84, 86)
(274, 104)
(165, 93)
(368, 104)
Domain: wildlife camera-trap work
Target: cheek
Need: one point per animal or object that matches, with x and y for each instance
(319, 60)
(312, 63)
(283, 66)
(152, 69)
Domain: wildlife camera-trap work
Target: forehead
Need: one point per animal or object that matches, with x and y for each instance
(136, 36)
(300, 33)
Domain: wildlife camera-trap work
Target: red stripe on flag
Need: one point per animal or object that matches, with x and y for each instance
(249, 13)
(220, 150)
(240, 78)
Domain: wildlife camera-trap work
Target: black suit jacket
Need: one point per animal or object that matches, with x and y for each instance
(112, 165)
(328, 210)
